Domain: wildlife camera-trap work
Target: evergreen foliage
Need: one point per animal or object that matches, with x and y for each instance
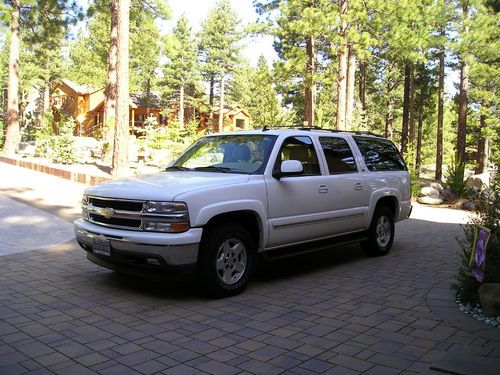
(54, 138)
(393, 43)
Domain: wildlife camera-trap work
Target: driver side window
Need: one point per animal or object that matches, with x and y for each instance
(301, 149)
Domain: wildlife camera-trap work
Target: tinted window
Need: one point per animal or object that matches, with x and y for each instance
(380, 154)
(301, 149)
(338, 155)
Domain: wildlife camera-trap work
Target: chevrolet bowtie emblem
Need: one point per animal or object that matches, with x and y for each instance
(107, 212)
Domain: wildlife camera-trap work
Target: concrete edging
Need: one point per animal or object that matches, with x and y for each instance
(82, 178)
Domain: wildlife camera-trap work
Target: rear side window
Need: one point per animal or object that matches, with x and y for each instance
(338, 155)
(380, 154)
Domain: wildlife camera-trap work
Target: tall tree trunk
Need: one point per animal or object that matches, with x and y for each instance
(109, 116)
(406, 109)
(310, 91)
(120, 151)
(46, 97)
(362, 84)
(439, 141)
(482, 148)
(462, 110)
(342, 87)
(221, 104)
(351, 78)
(464, 88)
(411, 114)
(418, 151)
(389, 116)
(181, 106)
(342, 72)
(12, 136)
(212, 86)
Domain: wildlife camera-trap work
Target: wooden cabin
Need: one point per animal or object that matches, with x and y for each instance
(141, 107)
(76, 101)
(235, 118)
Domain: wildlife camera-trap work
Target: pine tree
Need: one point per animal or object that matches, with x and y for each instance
(264, 106)
(12, 136)
(220, 45)
(41, 23)
(181, 70)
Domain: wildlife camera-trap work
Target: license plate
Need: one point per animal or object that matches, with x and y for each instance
(101, 246)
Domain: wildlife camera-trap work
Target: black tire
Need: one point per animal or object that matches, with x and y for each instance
(226, 259)
(380, 233)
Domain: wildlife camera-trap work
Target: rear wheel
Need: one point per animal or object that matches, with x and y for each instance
(226, 258)
(380, 233)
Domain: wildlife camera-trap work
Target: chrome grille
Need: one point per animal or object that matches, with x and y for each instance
(115, 222)
(117, 204)
(115, 213)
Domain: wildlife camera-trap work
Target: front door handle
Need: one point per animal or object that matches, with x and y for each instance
(358, 186)
(322, 189)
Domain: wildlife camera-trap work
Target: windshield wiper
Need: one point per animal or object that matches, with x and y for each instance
(176, 168)
(213, 168)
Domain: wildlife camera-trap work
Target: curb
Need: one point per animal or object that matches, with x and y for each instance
(79, 177)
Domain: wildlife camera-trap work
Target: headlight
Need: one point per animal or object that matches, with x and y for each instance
(85, 202)
(167, 217)
(165, 207)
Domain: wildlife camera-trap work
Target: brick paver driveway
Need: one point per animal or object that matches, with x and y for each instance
(337, 312)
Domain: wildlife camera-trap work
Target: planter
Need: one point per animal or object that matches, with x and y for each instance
(489, 295)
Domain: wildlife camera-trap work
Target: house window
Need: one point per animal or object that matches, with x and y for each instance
(240, 123)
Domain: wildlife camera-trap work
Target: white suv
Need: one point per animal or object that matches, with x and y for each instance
(232, 197)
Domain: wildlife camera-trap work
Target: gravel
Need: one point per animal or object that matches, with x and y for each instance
(477, 313)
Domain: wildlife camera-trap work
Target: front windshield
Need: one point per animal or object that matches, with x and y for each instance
(227, 153)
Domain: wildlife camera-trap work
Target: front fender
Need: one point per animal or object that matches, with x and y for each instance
(242, 205)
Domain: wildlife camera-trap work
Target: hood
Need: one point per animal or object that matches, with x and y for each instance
(163, 186)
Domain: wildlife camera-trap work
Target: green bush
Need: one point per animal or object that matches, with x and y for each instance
(63, 143)
(488, 215)
(2, 130)
(43, 135)
(59, 147)
(455, 176)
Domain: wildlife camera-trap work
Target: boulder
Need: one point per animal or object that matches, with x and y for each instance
(430, 200)
(478, 181)
(468, 206)
(489, 295)
(430, 192)
(437, 185)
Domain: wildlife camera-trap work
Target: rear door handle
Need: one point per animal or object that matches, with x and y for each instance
(358, 186)
(322, 189)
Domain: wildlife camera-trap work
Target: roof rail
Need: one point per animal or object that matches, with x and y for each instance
(300, 127)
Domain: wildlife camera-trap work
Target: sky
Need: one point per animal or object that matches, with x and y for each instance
(196, 11)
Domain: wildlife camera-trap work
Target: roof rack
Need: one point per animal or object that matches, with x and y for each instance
(358, 132)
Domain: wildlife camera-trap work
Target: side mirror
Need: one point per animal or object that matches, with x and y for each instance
(289, 168)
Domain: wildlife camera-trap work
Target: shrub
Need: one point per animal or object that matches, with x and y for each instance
(57, 147)
(63, 144)
(2, 129)
(455, 176)
(488, 214)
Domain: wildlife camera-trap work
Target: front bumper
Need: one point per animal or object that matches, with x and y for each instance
(140, 250)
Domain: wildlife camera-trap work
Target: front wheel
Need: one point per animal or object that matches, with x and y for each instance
(226, 258)
(380, 233)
